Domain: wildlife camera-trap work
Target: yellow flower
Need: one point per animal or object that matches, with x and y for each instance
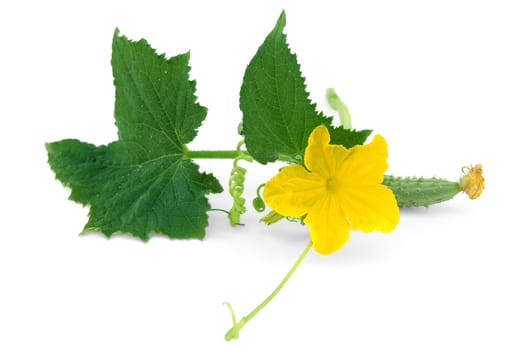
(339, 188)
(472, 183)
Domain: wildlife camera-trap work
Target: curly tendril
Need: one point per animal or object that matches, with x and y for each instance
(258, 203)
(236, 186)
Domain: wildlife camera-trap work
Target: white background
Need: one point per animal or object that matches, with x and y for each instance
(444, 82)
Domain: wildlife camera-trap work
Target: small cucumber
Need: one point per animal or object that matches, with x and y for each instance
(419, 191)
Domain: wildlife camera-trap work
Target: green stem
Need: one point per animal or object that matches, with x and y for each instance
(214, 154)
(233, 333)
(339, 106)
(228, 154)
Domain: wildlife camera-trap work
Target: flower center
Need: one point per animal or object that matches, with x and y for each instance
(331, 184)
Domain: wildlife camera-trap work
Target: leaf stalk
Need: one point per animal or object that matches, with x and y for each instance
(219, 154)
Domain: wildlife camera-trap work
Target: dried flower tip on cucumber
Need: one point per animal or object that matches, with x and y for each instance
(472, 183)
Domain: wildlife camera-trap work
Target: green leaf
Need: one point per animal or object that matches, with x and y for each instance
(278, 115)
(142, 183)
(348, 138)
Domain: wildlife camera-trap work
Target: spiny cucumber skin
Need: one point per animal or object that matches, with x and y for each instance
(419, 191)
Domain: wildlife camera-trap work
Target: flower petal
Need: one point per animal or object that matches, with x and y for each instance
(293, 191)
(367, 163)
(322, 158)
(370, 208)
(329, 229)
